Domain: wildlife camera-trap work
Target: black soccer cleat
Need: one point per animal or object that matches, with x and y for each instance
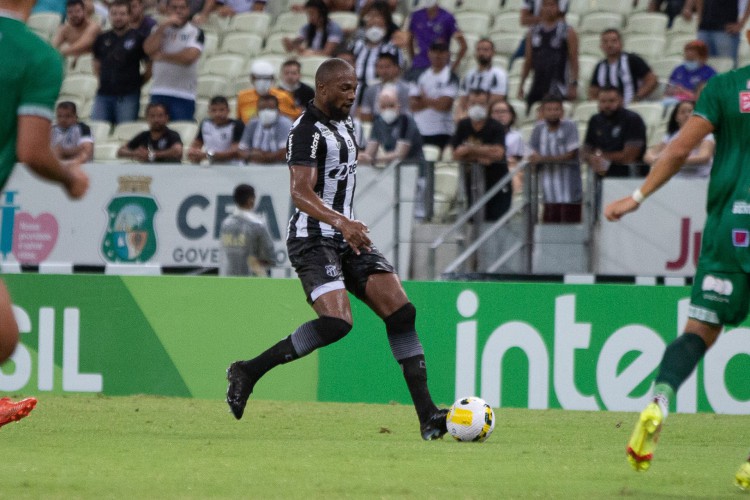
(436, 426)
(239, 389)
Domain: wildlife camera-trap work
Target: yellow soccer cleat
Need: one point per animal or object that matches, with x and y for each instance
(640, 450)
(742, 478)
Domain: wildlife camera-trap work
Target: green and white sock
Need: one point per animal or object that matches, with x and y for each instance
(663, 394)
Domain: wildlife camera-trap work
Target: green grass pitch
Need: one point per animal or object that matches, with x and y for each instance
(153, 447)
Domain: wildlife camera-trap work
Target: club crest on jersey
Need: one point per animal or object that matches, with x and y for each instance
(314, 145)
(741, 238)
(332, 270)
(745, 102)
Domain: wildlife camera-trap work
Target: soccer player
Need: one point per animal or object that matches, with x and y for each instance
(31, 75)
(332, 252)
(721, 288)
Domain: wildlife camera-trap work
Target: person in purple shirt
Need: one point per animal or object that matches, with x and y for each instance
(689, 77)
(139, 21)
(429, 25)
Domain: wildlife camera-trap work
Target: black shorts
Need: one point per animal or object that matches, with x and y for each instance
(324, 264)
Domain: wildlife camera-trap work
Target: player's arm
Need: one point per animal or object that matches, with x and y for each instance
(302, 189)
(33, 149)
(667, 164)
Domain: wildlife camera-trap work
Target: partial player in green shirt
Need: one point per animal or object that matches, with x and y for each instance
(721, 288)
(30, 78)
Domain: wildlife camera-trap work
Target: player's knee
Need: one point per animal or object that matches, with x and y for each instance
(8, 341)
(331, 329)
(402, 321)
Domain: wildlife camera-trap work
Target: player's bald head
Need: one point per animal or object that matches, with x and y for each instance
(331, 70)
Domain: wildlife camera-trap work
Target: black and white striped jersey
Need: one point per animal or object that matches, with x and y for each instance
(330, 146)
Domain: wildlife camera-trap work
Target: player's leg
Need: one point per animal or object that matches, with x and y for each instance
(387, 298)
(8, 327)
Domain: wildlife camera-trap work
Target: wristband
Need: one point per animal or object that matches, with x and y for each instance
(638, 196)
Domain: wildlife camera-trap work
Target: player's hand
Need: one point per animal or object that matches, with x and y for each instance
(355, 234)
(617, 209)
(77, 182)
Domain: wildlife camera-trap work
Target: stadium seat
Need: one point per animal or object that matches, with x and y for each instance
(212, 85)
(586, 65)
(622, 6)
(676, 43)
(647, 46)
(431, 152)
(125, 131)
(210, 44)
(506, 43)
(75, 99)
(81, 65)
(581, 7)
(240, 83)
(44, 23)
(647, 23)
(445, 190)
(186, 129)
(83, 86)
(471, 41)
(511, 5)
(500, 61)
(99, 129)
(226, 65)
(656, 134)
(720, 64)
(289, 22)
(596, 22)
(680, 25)
(275, 42)
(590, 44)
(585, 110)
(106, 151)
(508, 22)
(243, 44)
(476, 23)
(309, 65)
(347, 20)
(664, 66)
(651, 112)
(573, 19)
(486, 6)
(526, 131)
(253, 22)
(201, 109)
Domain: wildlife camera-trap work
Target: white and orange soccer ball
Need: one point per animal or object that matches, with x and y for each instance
(470, 419)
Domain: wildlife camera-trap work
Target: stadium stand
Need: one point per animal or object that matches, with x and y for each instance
(83, 86)
(253, 22)
(106, 151)
(647, 46)
(596, 22)
(127, 130)
(44, 24)
(211, 85)
(226, 65)
(243, 44)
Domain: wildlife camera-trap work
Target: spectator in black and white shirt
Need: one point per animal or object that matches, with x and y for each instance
(484, 76)
(71, 139)
(432, 98)
(175, 46)
(218, 138)
(158, 144)
(264, 138)
(626, 71)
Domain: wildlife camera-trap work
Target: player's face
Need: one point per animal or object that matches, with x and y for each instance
(157, 119)
(64, 117)
(219, 113)
(609, 102)
(75, 14)
(611, 44)
(483, 53)
(338, 94)
(119, 17)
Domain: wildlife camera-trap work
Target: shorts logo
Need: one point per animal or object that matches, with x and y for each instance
(741, 238)
(716, 285)
(332, 270)
(745, 102)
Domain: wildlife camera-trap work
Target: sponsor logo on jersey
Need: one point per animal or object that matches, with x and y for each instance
(741, 238)
(745, 102)
(716, 285)
(314, 146)
(741, 208)
(289, 147)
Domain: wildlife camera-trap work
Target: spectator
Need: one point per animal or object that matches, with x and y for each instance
(71, 139)
(515, 148)
(118, 54)
(302, 93)
(246, 246)
(389, 74)
(531, 16)
(481, 140)
(615, 138)
(218, 138)
(719, 24)
(76, 35)
(691, 75)
(698, 163)
(320, 36)
(175, 46)
(264, 138)
(373, 39)
(626, 71)
(394, 134)
(552, 53)
(139, 20)
(672, 8)
(429, 25)
(554, 150)
(227, 8)
(432, 97)
(262, 78)
(159, 143)
(485, 76)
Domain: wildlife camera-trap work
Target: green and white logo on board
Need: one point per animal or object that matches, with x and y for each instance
(130, 235)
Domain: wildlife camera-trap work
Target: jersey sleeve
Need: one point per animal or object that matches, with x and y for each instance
(41, 85)
(86, 135)
(304, 146)
(709, 102)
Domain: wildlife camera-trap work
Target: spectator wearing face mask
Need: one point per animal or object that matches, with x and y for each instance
(691, 75)
(262, 78)
(264, 138)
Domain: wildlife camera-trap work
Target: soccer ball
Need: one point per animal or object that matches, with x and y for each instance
(470, 419)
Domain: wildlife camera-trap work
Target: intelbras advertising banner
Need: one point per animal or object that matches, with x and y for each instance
(578, 347)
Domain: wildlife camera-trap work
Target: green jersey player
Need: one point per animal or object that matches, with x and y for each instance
(30, 79)
(721, 289)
